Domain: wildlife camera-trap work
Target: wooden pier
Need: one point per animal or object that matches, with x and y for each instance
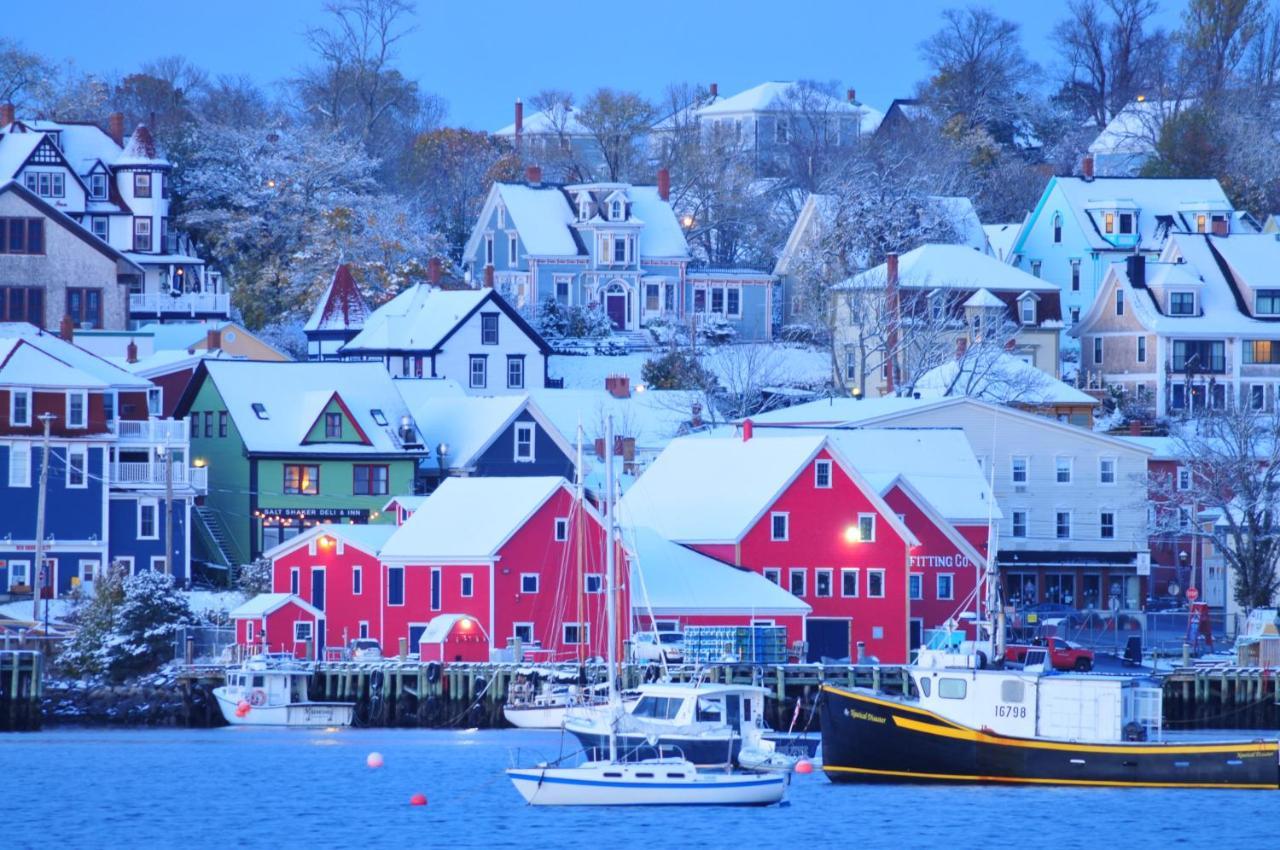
(1221, 697)
(21, 687)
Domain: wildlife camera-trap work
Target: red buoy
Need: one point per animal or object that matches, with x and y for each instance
(418, 799)
(804, 766)
(243, 705)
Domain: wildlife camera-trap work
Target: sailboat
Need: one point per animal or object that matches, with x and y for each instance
(618, 778)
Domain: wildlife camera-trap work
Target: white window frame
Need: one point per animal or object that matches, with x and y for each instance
(1258, 401)
(1119, 302)
(598, 580)
(529, 429)
(1027, 311)
(154, 504)
(1183, 477)
(513, 249)
(872, 519)
(1013, 523)
(870, 574)
(295, 581)
(857, 587)
(775, 572)
(310, 631)
(83, 453)
(819, 466)
(1058, 469)
(817, 585)
(466, 586)
(584, 634)
(773, 528)
(937, 586)
(14, 394)
(362, 629)
(537, 581)
(1142, 349)
(562, 529)
(357, 580)
(488, 249)
(20, 473)
(804, 582)
(1102, 536)
(1013, 469)
(1057, 517)
(1102, 475)
(1098, 352)
(84, 409)
(26, 573)
(916, 581)
(515, 632)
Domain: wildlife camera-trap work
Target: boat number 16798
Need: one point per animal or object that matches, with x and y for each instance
(1011, 711)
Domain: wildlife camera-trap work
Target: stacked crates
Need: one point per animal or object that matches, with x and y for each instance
(745, 644)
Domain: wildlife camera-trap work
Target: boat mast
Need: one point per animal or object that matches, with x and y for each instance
(610, 582)
(580, 535)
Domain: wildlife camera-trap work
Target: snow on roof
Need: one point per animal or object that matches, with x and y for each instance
(265, 603)
(140, 149)
(83, 144)
(786, 96)
(999, 377)
(936, 266)
(467, 424)
(543, 217)
(668, 578)
(342, 307)
(292, 394)
(417, 319)
(180, 335)
(439, 627)
(653, 417)
(984, 299)
(836, 410)
(711, 489)
(964, 218)
(30, 357)
(14, 150)
(367, 537)
(1001, 238)
(661, 235)
(548, 121)
(1152, 197)
(469, 519)
(1134, 129)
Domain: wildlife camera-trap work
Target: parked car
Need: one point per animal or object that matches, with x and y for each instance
(658, 646)
(1063, 654)
(364, 649)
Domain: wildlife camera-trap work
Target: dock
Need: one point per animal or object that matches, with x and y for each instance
(1221, 697)
(21, 688)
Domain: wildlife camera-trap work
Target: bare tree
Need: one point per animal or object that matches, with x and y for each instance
(618, 121)
(22, 73)
(1108, 51)
(1216, 36)
(552, 144)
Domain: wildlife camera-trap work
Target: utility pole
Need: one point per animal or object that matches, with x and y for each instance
(168, 508)
(47, 419)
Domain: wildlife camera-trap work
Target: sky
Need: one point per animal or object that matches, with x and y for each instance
(480, 55)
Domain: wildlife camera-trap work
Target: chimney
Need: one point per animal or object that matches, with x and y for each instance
(115, 127)
(715, 90)
(67, 329)
(213, 339)
(533, 175)
(131, 352)
(6, 114)
(664, 184)
(519, 116)
(1135, 428)
(434, 270)
(748, 429)
(962, 345)
(852, 95)
(1010, 344)
(1136, 267)
(1086, 167)
(488, 277)
(891, 300)
(695, 420)
(1220, 227)
(618, 386)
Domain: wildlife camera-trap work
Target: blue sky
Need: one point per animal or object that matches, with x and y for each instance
(481, 54)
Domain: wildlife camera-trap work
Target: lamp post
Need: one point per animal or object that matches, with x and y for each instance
(41, 572)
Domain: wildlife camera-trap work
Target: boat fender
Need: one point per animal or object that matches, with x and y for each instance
(1135, 732)
(433, 672)
(257, 697)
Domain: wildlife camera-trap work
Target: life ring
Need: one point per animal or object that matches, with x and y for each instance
(257, 697)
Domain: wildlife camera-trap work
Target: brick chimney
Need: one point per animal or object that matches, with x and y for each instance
(533, 175)
(1220, 227)
(488, 277)
(618, 386)
(891, 301)
(962, 345)
(519, 116)
(664, 184)
(67, 328)
(131, 352)
(696, 419)
(1086, 167)
(115, 127)
(1135, 427)
(748, 430)
(852, 95)
(6, 114)
(714, 88)
(434, 270)
(1010, 344)
(213, 340)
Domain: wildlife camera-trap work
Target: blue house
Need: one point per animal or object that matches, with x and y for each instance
(112, 466)
(614, 245)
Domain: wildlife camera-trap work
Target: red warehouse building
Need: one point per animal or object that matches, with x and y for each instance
(277, 622)
(793, 509)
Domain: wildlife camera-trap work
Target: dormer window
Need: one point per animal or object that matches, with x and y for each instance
(584, 207)
(1267, 302)
(1109, 222)
(98, 186)
(616, 210)
(1182, 303)
(1202, 223)
(378, 416)
(1126, 223)
(1027, 311)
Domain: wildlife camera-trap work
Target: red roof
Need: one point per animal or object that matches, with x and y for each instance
(343, 307)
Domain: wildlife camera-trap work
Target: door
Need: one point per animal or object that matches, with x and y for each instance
(917, 632)
(828, 639)
(88, 572)
(317, 588)
(415, 635)
(616, 307)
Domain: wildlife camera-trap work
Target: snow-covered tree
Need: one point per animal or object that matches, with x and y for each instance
(255, 577)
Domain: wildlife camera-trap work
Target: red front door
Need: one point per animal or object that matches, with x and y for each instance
(616, 307)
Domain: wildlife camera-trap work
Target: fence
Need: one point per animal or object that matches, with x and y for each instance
(208, 643)
(1105, 631)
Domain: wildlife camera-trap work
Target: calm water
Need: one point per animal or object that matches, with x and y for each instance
(293, 788)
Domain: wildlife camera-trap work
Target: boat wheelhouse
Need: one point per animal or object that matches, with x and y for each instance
(272, 690)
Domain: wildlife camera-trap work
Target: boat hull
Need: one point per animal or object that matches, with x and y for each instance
(535, 717)
(302, 714)
(704, 751)
(643, 785)
(867, 737)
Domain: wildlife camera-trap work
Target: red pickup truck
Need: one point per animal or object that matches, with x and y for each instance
(1063, 654)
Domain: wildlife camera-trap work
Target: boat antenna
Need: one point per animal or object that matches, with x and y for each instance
(611, 587)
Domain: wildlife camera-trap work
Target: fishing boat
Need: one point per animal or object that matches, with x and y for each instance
(619, 778)
(271, 690)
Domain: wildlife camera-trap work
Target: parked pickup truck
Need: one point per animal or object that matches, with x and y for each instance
(1063, 654)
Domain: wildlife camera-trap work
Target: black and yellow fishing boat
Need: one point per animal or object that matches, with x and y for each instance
(1029, 726)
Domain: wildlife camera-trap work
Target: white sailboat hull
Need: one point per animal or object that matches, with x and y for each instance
(644, 784)
(535, 717)
(300, 714)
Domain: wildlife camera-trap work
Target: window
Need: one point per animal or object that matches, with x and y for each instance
(77, 464)
(488, 328)
(779, 526)
(522, 632)
(1109, 222)
(19, 465)
(1036, 265)
(84, 306)
(915, 586)
(866, 528)
(436, 578)
(1075, 275)
(1019, 523)
(584, 207)
(370, 479)
(141, 184)
(301, 479)
(780, 131)
(513, 249)
(1267, 302)
(822, 583)
(850, 364)
(357, 581)
(1119, 302)
(594, 583)
(524, 442)
(562, 529)
(1062, 470)
(1126, 223)
(733, 301)
(563, 287)
(615, 210)
(620, 245)
(295, 580)
(717, 299)
(1265, 351)
(99, 225)
(222, 423)
(1062, 525)
(364, 628)
(699, 300)
(148, 519)
(795, 583)
(1075, 315)
(208, 423)
(528, 582)
(875, 584)
(260, 410)
(395, 585)
(822, 474)
(1184, 478)
(1027, 306)
(21, 236)
(1106, 470)
(467, 589)
(194, 419)
(98, 186)
(301, 631)
(1199, 355)
(332, 426)
(141, 234)
(1184, 518)
(1097, 350)
(774, 575)
(20, 303)
(1257, 396)
(20, 407)
(488, 249)
(652, 297)
(575, 633)
(849, 583)
(77, 409)
(479, 375)
(515, 371)
(1201, 222)
(1019, 470)
(1107, 525)
(946, 586)
(1142, 349)
(1182, 303)
(952, 688)
(1057, 228)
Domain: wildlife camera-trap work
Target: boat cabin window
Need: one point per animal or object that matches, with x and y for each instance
(734, 705)
(259, 681)
(926, 685)
(1011, 690)
(710, 710)
(952, 688)
(661, 708)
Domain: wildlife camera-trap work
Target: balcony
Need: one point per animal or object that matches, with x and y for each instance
(182, 304)
(152, 431)
(152, 475)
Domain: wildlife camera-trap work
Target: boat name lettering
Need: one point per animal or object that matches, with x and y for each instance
(862, 715)
(1011, 711)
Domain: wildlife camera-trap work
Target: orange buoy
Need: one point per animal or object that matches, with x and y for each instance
(804, 766)
(374, 760)
(243, 705)
(418, 799)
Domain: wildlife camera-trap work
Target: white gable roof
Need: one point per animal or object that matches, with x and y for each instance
(543, 121)
(999, 377)
(1153, 197)
(661, 235)
(417, 319)
(468, 424)
(30, 357)
(782, 96)
(265, 603)
(654, 417)
(936, 266)
(1134, 129)
(542, 215)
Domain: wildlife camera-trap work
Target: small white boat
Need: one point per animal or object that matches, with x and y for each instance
(530, 707)
(272, 691)
(652, 782)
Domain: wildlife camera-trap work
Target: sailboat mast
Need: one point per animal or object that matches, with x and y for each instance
(611, 584)
(580, 534)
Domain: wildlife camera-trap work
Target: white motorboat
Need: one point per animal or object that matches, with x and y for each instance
(543, 706)
(271, 690)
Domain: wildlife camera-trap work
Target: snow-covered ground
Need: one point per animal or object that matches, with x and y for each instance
(794, 365)
(201, 602)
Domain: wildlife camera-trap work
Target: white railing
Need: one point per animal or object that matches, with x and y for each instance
(159, 431)
(187, 302)
(143, 474)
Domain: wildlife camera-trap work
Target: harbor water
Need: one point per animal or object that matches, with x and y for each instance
(254, 787)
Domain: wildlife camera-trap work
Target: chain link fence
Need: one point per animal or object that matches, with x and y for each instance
(1107, 631)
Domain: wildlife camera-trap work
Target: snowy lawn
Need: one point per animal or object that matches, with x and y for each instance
(793, 365)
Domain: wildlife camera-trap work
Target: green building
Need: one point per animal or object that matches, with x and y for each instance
(288, 445)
